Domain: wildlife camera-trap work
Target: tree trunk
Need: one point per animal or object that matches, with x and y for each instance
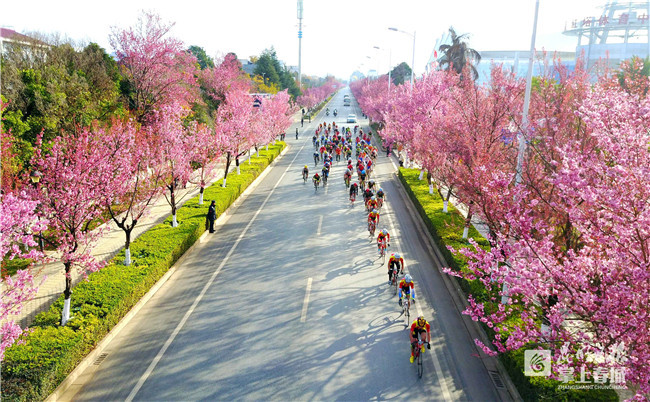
(422, 175)
(237, 164)
(201, 195)
(447, 200)
(225, 174)
(67, 293)
(172, 200)
(127, 246)
(468, 221)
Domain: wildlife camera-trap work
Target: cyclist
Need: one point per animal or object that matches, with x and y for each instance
(305, 172)
(380, 197)
(395, 262)
(373, 217)
(420, 326)
(347, 176)
(372, 202)
(325, 173)
(366, 197)
(406, 286)
(371, 183)
(316, 179)
(383, 235)
(316, 158)
(354, 191)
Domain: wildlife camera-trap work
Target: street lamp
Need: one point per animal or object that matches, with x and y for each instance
(413, 57)
(35, 177)
(390, 64)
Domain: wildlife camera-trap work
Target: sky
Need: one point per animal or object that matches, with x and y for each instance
(339, 36)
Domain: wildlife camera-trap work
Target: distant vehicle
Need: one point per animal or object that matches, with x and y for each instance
(346, 102)
(352, 118)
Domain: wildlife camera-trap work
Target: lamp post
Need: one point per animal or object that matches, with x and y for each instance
(390, 64)
(35, 177)
(413, 57)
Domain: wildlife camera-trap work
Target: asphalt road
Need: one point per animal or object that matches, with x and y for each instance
(289, 301)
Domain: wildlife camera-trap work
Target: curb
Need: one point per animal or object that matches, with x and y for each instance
(69, 381)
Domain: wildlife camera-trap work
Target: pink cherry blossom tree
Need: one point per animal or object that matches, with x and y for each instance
(137, 186)
(157, 67)
(18, 223)
(207, 150)
(233, 126)
(76, 184)
(174, 145)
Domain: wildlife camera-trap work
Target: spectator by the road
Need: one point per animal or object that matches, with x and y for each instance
(211, 217)
(296, 132)
(302, 120)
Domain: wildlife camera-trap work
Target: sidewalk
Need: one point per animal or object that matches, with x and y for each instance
(53, 274)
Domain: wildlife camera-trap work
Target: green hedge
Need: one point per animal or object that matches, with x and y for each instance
(34, 368)
(446, 230)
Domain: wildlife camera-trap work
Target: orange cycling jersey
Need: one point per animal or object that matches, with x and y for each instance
(372, 204)
(383, 236)
(373, 216)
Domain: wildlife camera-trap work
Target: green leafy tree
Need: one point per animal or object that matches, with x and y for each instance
(58, 89)
(202, 57)
(458, 55)
(401, 73)
(274, 72)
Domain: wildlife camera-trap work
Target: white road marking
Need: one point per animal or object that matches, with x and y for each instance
(320, 225)
(198, 299)
(305, 303)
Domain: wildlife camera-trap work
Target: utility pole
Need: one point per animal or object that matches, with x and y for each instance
(300, 44)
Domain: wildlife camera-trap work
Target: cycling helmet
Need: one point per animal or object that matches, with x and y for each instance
(374, 211)
(306, 167)
(397, 256)
(373, 198)
(380, 190)
(384, 231)
(408, 279)
(421, 318)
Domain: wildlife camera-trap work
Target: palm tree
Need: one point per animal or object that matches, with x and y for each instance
(457, 55)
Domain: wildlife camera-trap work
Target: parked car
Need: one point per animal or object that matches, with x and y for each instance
(352, 118)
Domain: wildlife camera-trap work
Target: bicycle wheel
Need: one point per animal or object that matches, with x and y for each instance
(407, 312)
(420, 365)
(394, 283)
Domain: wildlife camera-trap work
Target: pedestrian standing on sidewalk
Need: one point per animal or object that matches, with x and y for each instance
(296, 132)
(302, 122)
(211, 217)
